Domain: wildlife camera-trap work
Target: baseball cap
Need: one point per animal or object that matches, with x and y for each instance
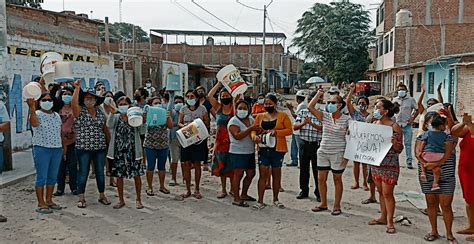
(333, 89)
(301, 93)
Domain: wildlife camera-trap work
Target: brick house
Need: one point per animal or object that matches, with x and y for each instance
(422, 42)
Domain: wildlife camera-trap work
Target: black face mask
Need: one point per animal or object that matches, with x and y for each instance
(226, 101)
(137, 98)
(270, 109)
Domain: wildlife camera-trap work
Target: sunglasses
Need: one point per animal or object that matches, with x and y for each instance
(331, 102)
(46, 100)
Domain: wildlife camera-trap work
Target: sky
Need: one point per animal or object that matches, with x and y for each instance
(172, 14)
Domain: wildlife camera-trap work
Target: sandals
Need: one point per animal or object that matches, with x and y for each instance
(390, 230)
(376, 222)
(222, 195)
(452, 240)
(336, 212)
(44, 210)
(366, 188)
(104, 201)
(369, 201)
(54, 206)
(119, 205)
(259, 206)
(185, 195)
(139, 205)
(197, 195)
(319, 209)
(165, 191)
(172, 183)
(279, 204)
(355, 187)
(150, 192)
(431, 237)
(249, 199)
(241, 204)
(81, 204)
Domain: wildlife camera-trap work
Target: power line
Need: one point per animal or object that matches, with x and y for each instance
(248, 6)
(209, 12)
(192, 14)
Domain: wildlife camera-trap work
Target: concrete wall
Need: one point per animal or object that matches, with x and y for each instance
(465, 88)
(23, 68)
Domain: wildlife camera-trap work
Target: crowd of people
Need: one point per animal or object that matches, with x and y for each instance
(75, 130)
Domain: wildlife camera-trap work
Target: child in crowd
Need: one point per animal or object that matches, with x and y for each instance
(433, 148)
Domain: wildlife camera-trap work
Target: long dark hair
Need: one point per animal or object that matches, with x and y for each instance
(392, 108)
(451, 110)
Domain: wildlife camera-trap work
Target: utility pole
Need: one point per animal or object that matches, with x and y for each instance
(263, 43)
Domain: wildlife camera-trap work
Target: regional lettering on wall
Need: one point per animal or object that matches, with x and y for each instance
(71, 57)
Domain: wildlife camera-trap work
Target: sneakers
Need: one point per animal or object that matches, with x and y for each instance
(302, 195)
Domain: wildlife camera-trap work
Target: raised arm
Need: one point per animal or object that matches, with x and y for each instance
(350, 106)
(440, 95)
(76, 108)
(312, 105)
(215, 104)
(34, 122)
(421, 108)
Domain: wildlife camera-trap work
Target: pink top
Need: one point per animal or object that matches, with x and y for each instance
(68, 132)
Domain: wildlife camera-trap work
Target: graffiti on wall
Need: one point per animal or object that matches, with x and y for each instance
(23, 66)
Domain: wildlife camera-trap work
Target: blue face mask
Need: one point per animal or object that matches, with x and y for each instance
(191, 102)
(67, 99)
(402, 93)
(242, 114)
(178, 106)
(377, 114)
(430, 127)
(46, 105)
(331, 108)
(123, 109)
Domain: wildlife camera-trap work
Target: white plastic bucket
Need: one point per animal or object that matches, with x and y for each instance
(267, 141)
(32, 90)
(135, 118)
(231, 80)
(435, 107)
(155, 116)
(193, 133)
(47, 67)
(63, 72)
(172, 82)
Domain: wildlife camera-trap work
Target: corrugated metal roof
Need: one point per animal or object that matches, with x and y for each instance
(219, 33)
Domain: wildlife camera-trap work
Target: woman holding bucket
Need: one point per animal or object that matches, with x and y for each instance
(221, 165)
(47, 149)
(125, 150)
(277, 125)
(195, 154)
(91, 140)
(156, 147)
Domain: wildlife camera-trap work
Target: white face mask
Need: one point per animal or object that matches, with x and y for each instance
(261, 101)
(148, 85)
(242, 114)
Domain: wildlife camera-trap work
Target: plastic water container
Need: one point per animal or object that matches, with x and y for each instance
(435, 108)
(231, 80)
(47, 65)
(32, 90)
(193, 133)
(155, 116)
(172, 82)
(135, 118)
(268, 141)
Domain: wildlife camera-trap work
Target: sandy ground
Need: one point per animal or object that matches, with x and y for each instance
(210, 219)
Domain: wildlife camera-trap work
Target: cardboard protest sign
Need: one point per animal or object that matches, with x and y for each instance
(368, 143)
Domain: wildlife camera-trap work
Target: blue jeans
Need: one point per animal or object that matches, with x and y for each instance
(68, 165)
(295, 149)
(85, 157)
(156, 157)
(407, 138)
(47, 161)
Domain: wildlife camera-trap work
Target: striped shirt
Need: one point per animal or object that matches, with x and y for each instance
(334, 134)
(308, 132)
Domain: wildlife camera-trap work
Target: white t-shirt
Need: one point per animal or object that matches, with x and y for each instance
(244, 145)
(48, 132)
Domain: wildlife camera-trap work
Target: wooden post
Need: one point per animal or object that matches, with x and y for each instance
(107, 35)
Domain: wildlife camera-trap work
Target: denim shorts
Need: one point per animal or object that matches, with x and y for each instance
(270, 157)
(242, 161)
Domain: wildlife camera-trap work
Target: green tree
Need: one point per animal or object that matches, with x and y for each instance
(117, 31)
(26, 3)
(336, 37)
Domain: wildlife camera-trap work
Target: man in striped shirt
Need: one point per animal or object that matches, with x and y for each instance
(310, 133)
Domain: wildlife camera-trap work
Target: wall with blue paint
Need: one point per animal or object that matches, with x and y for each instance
(441, 74)
(21, 69)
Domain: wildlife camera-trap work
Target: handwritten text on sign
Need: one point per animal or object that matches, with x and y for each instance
(368, 143)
